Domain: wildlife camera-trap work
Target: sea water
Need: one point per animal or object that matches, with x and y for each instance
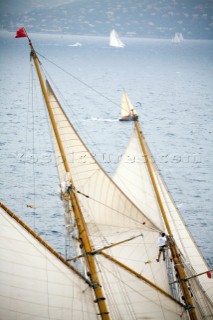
(171, 87)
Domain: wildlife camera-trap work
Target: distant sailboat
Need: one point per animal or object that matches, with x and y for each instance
(178, 38)
(116, 226)
(115, 40)
(128, 112)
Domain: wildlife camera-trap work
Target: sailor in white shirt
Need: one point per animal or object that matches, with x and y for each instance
(162, 240)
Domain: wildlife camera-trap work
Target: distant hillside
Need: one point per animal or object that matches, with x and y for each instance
(135, 18)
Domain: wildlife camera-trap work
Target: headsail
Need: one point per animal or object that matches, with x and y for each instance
(115, 40)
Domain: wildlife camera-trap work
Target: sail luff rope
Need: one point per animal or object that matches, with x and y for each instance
(173, 248)
(75, 204)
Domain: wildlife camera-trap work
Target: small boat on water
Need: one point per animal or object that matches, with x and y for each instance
(115, 40)
(114, 226)
(128, 112)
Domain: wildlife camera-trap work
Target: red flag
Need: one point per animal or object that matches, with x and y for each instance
(209, 274)
(21, 33)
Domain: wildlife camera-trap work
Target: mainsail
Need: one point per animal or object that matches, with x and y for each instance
(115, 40)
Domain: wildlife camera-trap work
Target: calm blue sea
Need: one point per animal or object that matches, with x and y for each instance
(171, 86)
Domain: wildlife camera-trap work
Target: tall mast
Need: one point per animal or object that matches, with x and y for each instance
(82, 228)
(174, 251)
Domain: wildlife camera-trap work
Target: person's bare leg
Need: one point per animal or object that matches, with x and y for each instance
(159, 254)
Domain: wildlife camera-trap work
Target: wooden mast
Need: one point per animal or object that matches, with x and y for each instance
(82, 229)
(174, 251)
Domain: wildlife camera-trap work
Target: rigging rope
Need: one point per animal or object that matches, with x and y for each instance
(31, 148)
(79, 80)
(75, 119)
(129, 285)
(109, 207)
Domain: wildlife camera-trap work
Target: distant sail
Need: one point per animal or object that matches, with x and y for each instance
(128, 111)
(115, 40)
(178, 38)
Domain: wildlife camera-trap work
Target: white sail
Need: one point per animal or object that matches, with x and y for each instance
(115, 40)
(181, 37)
(127, 108)
(34, 283)
(134, 179)
(178, 38)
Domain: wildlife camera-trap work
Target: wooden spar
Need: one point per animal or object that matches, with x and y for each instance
(104, 248)
(138, 275)
(82, 229)
(194, 276)
(174, 251)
